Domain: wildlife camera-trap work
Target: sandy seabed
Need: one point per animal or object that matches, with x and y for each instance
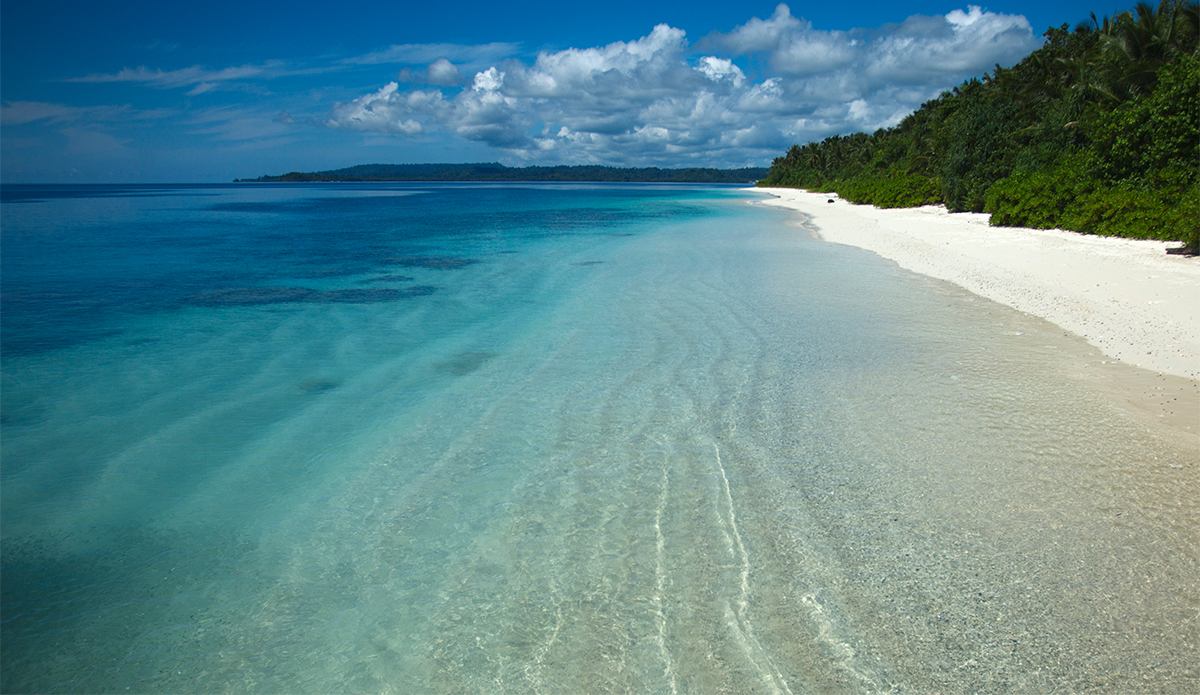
(1127, 297)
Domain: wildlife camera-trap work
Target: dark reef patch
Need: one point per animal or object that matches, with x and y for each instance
(365, 296)
(435, 262)
(386, 278)
(250, 296)
(465, 363)
(315, 386)
(335, 272)
(246, 296)
(418, 291)
(588, 263)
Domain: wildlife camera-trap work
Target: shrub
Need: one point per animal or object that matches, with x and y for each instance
(1029, 200)
(894, 191)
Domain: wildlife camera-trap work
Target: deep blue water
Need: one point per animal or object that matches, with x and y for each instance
(537, 438)
(77, 258)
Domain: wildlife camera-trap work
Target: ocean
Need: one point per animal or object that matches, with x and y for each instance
(448, 438)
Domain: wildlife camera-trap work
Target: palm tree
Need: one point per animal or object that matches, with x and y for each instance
(1134, 45)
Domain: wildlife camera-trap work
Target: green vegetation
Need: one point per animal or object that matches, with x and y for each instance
(494, 171)
(1097, 131)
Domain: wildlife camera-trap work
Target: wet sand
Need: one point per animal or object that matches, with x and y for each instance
(1127, 297)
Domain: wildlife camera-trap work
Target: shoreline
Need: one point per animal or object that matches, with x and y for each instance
(1126, 297)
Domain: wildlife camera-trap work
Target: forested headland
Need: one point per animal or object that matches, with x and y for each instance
(1098, 131)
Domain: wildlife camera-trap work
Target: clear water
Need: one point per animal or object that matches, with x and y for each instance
(459, 438)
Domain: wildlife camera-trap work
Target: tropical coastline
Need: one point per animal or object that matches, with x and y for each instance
(559, 438)
(580, 395)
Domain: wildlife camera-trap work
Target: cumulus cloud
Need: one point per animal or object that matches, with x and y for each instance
(443, 72)
(385, 111)
(921, 50)
(660, 100)
(440, 72)
(795, 48)
(718, 69)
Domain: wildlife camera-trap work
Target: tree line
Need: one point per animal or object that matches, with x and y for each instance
(1098, 131)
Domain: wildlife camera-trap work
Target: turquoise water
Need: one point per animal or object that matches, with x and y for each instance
(413, 438)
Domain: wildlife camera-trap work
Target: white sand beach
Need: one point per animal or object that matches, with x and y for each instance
(1127, 297)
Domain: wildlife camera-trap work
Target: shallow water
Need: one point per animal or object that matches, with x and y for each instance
(640, 439)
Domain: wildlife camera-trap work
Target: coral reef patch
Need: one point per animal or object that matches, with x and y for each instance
(250, 296)
(435, 262)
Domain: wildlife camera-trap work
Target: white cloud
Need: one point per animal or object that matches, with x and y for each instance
(443, 72)
(658, 100)
(794, 46)
(489, 80)
(184, 77)
(387, 111)
(425, 53)
(440, 72)
(921, 50)
(717, 69)
(200, 79)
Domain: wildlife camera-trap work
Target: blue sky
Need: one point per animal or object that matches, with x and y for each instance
(167, 92)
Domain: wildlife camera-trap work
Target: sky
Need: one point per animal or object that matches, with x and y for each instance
(152, 92)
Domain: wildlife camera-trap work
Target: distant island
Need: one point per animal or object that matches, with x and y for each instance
(494, 171)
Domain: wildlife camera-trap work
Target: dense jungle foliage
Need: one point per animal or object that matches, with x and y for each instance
(1098, 131)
